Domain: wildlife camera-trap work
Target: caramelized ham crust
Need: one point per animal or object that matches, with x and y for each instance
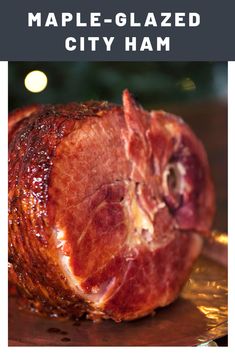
(107, 206)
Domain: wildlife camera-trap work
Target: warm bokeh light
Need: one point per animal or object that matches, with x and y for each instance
(187, 84)
(35, 81)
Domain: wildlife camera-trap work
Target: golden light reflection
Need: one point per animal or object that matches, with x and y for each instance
(210, 312)
(221, 238)
(35, 81)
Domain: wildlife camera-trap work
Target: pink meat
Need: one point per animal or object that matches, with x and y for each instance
(107, 207)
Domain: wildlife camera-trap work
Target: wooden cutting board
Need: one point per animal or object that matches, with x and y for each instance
(198, 316)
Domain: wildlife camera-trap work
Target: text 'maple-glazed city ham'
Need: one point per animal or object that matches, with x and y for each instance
(107, 206)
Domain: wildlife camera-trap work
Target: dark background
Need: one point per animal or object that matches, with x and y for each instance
(197, 91)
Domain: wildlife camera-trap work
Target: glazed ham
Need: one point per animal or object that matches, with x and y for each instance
(108, 206)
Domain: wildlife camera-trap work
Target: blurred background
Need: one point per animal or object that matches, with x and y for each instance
(197, 91)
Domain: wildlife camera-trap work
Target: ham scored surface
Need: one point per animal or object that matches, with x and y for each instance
(106, 204)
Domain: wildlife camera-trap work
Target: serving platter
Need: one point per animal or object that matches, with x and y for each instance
(198, 316)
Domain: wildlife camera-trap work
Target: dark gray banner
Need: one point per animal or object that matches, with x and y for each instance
(102, 30)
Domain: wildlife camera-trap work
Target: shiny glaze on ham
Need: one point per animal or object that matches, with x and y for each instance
(107, 207)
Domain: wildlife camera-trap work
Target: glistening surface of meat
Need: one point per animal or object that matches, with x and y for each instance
(106, 204)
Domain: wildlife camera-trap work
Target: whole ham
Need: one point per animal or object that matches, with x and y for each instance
(108, 206)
